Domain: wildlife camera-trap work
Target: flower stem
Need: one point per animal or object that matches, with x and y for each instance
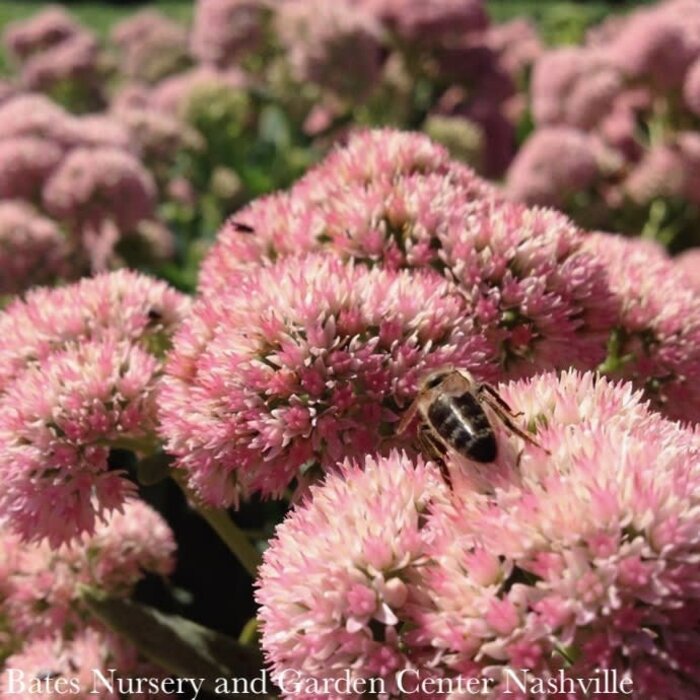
(232, 536)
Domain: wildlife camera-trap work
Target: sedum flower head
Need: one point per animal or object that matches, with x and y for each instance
(44, 30)
(32, 248)
(341, 600)
(226, 30)
(587, 555)
(57, 421)
(42, 586)
(553, 165)
(121, 305)
(438, 22)
(580, 557)
(336, 46)
(307, 362)
(97, 185)
(80, 657)
(151, 46)
(657, 339)
(541, 300)
(76, 60)
(26, 162)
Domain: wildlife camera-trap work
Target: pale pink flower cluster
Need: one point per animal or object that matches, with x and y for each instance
(656, 342)
(80, 365)
(32, 248)
(365, 569)
(336, 46)
(151, 46)
(571, 559)
(225, 31)
(43, 31)
(53, 51)
(53, 663)
(48, 633)
(84, 172)
(75, 61)
(96, 185)
(301, 364)
(517, 44)
(42, 586)
(432, 22)
(396, 200)
(554, 165)
(626, 98)
(25, 164)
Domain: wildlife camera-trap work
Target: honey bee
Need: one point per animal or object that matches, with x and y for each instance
(451, 405)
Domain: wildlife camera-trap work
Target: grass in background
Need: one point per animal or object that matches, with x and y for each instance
(99, 15)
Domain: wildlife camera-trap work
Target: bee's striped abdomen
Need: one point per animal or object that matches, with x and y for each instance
(461, 422)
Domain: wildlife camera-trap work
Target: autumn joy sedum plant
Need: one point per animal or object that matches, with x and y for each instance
(319, 310)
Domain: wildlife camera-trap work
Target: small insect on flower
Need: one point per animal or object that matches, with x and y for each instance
(451, 404)
(241, 227)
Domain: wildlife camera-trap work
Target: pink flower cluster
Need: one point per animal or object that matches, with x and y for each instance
(151, 46)
(269, 382)
(225, 31)
(80, 171)
(573, 559)
(305, 362)
(80, 366)
(32, 249)
(47, 628)
(615, 122)
(656, 342)
(75, 660)
(55, 54)
(333, 45)
(397, 200)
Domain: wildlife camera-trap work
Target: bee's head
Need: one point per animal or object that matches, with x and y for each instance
(436, 377)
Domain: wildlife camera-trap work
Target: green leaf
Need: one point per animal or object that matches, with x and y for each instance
(177, 645)
(273, 127)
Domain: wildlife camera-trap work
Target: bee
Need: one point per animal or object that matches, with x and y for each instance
(452, 407)
(241, 227)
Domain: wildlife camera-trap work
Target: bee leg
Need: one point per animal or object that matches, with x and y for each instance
(497, 397)
(407, 417)
(435, 451)
(508, 422)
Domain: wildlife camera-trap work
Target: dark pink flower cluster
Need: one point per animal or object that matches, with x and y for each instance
(80, 366)
(562, 565)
